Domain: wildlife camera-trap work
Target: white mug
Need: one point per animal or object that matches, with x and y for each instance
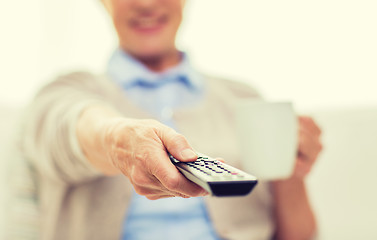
(268, 138)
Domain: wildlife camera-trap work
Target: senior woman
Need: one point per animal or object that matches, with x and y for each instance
(99, 145)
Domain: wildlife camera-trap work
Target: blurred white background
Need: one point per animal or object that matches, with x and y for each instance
(319, 54)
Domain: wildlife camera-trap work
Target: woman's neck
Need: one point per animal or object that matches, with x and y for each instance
(161, 62)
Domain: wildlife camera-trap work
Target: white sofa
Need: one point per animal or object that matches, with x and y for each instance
(341, 186)
(8, 119)
(343, 183)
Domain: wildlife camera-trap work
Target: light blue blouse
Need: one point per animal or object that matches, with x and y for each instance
(160, 94)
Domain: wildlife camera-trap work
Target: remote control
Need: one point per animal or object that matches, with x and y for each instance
(217, 178)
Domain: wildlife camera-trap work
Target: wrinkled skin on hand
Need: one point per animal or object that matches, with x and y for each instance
(138, 148)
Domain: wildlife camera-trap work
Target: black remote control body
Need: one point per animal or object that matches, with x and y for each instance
(217, 178)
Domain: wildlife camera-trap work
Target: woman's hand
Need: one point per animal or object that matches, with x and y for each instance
(137, 149)
(308, 148)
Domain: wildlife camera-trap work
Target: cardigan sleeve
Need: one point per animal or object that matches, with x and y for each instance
(49, 138)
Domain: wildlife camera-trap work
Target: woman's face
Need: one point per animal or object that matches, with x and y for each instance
(146, 28)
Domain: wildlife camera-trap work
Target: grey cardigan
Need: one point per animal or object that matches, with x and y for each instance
(77, 202)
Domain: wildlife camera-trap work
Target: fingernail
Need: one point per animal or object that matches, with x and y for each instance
(204, 193)
(188, 154)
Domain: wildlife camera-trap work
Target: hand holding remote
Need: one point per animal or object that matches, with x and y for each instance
(137, 149)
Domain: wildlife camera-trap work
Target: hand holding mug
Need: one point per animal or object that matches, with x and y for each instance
(309, 146)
